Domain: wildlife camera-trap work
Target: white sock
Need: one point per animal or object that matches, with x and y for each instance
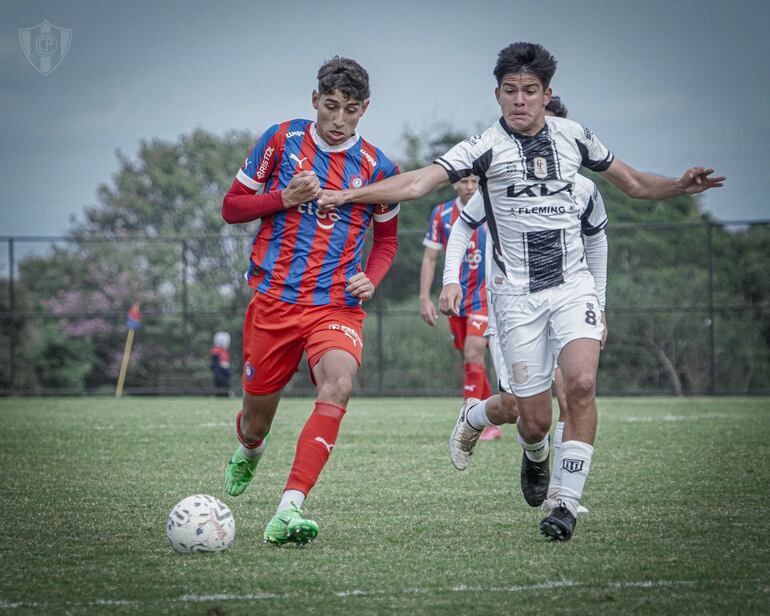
(575, 464)
(537, 452)
(253, 452)
(291, 498)
(555, 483)
(558, 433)
(477, 416)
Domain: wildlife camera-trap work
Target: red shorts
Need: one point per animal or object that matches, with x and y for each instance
(471, 325)
(276, 333)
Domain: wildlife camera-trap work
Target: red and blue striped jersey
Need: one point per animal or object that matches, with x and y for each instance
(472, 278)
(303, 255)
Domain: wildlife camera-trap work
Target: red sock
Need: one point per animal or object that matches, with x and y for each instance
(487, 389)
(239, 434)
(314, 446)
(476, 383)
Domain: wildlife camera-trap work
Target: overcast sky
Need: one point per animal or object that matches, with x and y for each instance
(664, 84)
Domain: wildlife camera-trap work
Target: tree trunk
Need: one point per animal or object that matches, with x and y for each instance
(668, 366)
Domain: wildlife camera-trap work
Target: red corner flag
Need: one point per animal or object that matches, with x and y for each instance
(133, 322)
(134, 318)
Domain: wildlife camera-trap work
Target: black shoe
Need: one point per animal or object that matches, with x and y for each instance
(559, 524)
(534, 480)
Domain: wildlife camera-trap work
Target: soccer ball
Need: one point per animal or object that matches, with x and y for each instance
(200, 523)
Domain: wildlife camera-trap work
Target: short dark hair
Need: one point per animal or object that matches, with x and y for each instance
(526, 58)
(556, 107)
(344, 75)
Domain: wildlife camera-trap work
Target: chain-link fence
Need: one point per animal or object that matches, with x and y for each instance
(688, 312)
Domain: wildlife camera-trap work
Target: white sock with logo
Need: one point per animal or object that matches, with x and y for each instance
(555, 483)
(477, 416)
(291, 498)
(575, 464)
(537, 452)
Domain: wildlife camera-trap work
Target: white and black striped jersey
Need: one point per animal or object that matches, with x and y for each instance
(530, 192)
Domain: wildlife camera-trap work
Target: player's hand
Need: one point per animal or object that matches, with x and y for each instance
(697, 179)
(360, 286)
(605, 332)
(331, 198)
(428, 311)
(449, 300)
(303, 187)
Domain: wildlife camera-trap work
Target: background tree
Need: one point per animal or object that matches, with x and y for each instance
(155, 236)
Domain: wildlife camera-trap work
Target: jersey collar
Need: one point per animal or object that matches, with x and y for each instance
(515, 135)
(325, 147)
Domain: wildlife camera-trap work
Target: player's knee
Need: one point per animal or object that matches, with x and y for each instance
(337, 388)
(581, 386)
(535, 427)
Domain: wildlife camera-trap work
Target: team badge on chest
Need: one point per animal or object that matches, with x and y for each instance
(540, 167)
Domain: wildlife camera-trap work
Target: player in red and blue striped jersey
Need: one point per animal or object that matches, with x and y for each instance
(469, 326)
(306, 272)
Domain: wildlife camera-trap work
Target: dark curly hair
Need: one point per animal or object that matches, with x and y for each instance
(556, 107)
(526, 58)
(344, 75)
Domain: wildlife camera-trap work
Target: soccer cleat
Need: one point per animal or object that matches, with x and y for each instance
(289, 525)
(463, 438)
(550, 503)
(559, 524)
(491, 433)
(534, 480)
(240, 471)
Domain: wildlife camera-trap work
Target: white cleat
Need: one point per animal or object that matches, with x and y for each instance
(463, 438)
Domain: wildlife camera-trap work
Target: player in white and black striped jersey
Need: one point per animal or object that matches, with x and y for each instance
(544, 302)
(501, 407)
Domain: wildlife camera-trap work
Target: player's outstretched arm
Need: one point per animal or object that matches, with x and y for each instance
(402, 187)
(642, 185)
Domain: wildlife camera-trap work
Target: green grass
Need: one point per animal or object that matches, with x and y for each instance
(678, 524)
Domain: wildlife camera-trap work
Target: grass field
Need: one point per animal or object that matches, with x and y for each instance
(679, 499)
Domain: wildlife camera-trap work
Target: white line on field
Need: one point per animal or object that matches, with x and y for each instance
(695, 417)
(220, 598)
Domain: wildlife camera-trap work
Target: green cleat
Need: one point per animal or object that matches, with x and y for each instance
(240, 471)
(289, 525)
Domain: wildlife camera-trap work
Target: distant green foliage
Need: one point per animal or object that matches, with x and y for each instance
(192, 286)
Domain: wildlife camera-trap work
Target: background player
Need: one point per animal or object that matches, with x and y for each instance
(305, 270)
(469, 326)
(526, 166)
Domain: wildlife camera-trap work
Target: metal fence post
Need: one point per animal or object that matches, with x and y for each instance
(380, 352)
(14, 327)
(712, 314)
(185, 307)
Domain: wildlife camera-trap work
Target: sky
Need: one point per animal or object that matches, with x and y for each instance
(664, 84)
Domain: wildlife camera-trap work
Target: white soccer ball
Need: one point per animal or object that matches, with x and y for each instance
(200, 523)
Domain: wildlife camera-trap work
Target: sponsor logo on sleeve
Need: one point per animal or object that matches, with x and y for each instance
(265, 162)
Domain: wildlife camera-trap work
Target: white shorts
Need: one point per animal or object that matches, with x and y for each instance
(531, 330)
(495, 351)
